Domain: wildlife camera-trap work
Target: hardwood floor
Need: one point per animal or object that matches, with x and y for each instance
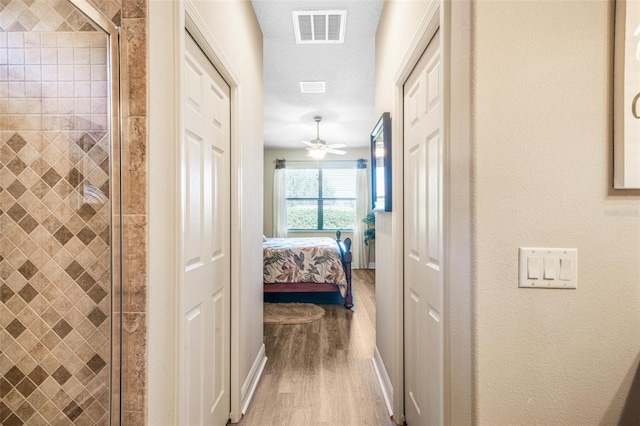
(320, 374)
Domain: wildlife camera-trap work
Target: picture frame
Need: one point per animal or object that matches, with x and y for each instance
(626, 95)
(381, 188)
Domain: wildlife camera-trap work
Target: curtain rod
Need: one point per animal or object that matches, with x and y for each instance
(322, 161)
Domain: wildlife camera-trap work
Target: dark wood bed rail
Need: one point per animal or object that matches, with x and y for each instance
(346, 256)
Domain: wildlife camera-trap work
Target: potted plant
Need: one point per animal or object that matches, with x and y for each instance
(370, 232)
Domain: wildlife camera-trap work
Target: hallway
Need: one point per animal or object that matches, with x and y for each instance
(321, 373)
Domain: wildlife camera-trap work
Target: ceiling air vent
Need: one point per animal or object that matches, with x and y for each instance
(312, 86)
(319, 26)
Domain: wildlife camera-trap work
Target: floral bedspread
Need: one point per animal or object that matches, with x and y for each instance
(303, 260)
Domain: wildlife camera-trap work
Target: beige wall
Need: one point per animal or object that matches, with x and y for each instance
(270, 156)
(163, 244)
(235, 29)
(542, 177)
(538, 134)
(398, 24)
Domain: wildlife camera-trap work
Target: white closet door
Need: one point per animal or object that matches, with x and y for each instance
(205, 293)
(423, 300)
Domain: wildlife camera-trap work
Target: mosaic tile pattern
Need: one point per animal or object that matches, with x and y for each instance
(41, 16)
(55, 215)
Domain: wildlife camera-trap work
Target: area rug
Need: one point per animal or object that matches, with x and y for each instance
(291, 313)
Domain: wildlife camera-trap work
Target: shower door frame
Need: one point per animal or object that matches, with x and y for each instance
(114, 124)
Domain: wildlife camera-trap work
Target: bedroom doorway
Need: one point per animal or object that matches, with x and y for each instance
(204, 329)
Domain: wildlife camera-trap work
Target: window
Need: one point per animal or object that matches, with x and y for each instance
(321, 199)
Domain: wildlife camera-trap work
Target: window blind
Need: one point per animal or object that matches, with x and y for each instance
(320, 198)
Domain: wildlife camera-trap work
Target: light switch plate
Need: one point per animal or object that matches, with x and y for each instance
(541, 267)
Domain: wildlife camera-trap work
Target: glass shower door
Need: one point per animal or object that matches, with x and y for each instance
(59, 207)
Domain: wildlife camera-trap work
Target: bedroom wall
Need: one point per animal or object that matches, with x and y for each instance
(542, 178)
(234, 27)
(398, 24)
(270, 156)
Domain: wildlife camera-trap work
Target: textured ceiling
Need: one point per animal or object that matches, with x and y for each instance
(347, 107)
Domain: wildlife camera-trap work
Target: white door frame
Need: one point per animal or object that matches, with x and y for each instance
(190, 19)
(431, 22)
(454, 19)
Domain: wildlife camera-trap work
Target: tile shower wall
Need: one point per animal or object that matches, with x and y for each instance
(133, 45)
(131, 16)
(55, 217)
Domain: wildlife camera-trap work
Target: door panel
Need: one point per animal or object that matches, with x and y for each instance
(205, 307)
(194, 216)
(193, 355)
(423, 241)
(219, 324)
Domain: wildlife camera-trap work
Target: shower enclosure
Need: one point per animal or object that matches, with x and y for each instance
(60, 267)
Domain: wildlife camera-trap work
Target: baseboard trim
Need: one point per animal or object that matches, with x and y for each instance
(383, 379)
(251, 383)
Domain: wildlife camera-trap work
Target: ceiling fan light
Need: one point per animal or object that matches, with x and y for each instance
(318, 148)
(318, 154)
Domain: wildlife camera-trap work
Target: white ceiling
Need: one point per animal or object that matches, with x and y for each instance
(347, 107)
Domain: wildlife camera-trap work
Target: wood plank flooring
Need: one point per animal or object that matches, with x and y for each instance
(320, 374)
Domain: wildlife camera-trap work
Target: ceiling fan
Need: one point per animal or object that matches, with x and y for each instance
(318, 148)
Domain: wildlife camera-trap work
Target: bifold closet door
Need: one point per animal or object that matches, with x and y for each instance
(423, 292)
(205, 292)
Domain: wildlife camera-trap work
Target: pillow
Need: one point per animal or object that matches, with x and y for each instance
(264, 238)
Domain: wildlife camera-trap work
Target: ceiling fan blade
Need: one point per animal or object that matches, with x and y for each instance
(336, 151)
(337, 145)
(307, 143)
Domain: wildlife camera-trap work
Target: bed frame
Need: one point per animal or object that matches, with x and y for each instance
(345, 255)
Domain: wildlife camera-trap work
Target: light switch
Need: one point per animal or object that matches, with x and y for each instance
(533, 267)
(565, 269)
(548, 267)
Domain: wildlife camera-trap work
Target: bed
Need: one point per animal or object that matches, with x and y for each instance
(308, 265)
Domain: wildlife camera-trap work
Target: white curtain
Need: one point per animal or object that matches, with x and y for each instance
(279, 201)
(363, 206)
